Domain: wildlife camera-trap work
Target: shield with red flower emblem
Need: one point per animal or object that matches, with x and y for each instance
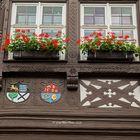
(51, 93)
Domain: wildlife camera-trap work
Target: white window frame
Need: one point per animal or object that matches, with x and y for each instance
(38, 25)
(91, 26)
(108, 27)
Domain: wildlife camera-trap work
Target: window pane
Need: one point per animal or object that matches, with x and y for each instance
(47, 19)
(129, 33)
(127, 15)
(126, 11)
(94, 15)
(116, 11)
(47, 10)
(31, 19)
(124, 32)
(116, 20)
(88, 32)
(57, 10)
(52, 15)
(30, 33)
(127, 20)
(51, 32)
(99, 20)
(58, 19)
(26, 15)
(121, 15)
(99, 11)
(89, 11)
(118, 32)
(21, 20)
(88, 20)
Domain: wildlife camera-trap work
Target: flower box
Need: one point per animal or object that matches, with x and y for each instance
(36, 55)
(99, 55)
(109, 47)
(27, 45)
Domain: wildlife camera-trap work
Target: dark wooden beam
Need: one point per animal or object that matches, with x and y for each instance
(1, 60)
(107, 1)
(57, 1)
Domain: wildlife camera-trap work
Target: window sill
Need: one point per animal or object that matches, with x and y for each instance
(107, 61)
(36, 60)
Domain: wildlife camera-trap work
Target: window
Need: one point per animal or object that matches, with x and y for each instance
(118, 18)
(39, 18)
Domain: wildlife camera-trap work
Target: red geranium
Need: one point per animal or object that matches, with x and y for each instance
(24, 40)
(97, 42)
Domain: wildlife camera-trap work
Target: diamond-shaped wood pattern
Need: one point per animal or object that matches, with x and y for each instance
(110, 93)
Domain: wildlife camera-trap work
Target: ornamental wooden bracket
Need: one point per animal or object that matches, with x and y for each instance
(72, 79)
(72, 82)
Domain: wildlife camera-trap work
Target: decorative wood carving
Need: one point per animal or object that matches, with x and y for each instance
(73, 30)
(6, 8)
(72, 82)
(124, 68)
(72, 78)
(110, 93)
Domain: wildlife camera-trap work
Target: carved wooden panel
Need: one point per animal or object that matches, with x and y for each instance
(110, 93)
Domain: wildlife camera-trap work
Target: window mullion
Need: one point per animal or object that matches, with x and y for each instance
(108, 17)
(134, 21)
(64, 15)
(38, 18)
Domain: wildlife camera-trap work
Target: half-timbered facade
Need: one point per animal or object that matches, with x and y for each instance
(95, 99)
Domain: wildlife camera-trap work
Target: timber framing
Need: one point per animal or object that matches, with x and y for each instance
(67, 117)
